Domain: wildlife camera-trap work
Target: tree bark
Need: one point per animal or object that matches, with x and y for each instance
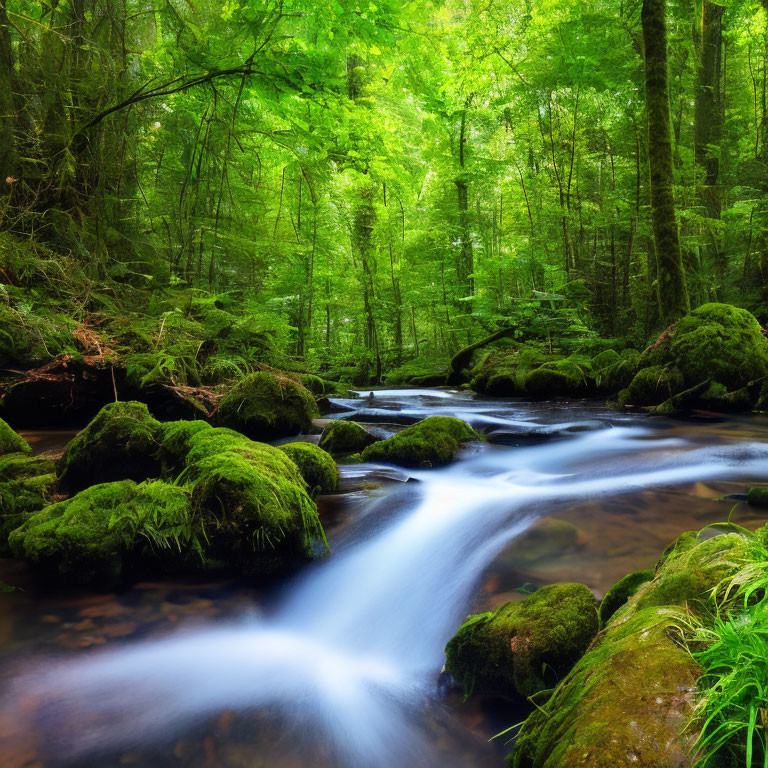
(673, 293)
(708, 124)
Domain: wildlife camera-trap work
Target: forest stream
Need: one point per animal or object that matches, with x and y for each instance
(341, 667)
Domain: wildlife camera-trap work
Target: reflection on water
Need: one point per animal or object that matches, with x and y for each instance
(340, 667)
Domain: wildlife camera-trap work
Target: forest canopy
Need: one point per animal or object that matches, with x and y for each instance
(374, 183)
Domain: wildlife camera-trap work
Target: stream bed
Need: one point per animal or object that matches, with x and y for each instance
(340, 667)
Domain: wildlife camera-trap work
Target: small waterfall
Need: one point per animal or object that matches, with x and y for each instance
(354, 647)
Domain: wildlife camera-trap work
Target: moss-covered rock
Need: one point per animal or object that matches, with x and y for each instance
(176, 443)
(524, 647)
(652, 386)
(628, 700)
(501, 373)
(621, 591)
(562, 378)
(317, 468)
(757, 496)
(10, 442)
(716, 341)
(433, 442)
(265, 406)
(121, 443)
(90, 538)
(340, 437)
(254, 498)
(612, 378)
(26, 486)
(605, 358)
(714, 357)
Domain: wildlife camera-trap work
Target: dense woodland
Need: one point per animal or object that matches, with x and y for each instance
(379, 182)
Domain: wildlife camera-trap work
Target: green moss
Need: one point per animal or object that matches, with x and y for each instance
(618, 375)
(652, 386)
(562, 378)
(317, 468)
(26, 486)
(605, 358)
(92, 537)
(10, 442)
(757, 496)
(433, 442)
(264, 406)
(501, 373)
(313, 383)
(629, 698)
(255, 506)
(176, 443)
(121, 443)
(341, 437)
(525, 646)
(621, 591)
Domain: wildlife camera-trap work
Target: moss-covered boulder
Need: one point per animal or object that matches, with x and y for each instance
(710, 356)
(317, 468)
(265, 406)
(612, 378)
(605, 358)
(502, 373)
(524, 647)
(562, 378)
(92, 537)
(254, 498)
(10, 442)
(621, 591)
(652, 386)
(121, 443)
(629, 699)
(757, 496)
(26, 486)
(433, 442)
(340, 437)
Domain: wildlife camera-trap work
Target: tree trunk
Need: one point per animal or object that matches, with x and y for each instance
(8, 159)
(673, 293)
(466, 265)
(708, 125)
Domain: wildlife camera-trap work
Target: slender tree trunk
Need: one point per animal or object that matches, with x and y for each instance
(673, 293)
(466, 266)
(8, 158)
(708, 125)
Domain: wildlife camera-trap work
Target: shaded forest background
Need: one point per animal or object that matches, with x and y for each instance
(375, 184)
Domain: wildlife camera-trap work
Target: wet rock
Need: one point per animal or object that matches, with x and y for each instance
(432, 442)
(265, 406)
(121, 443)
(563, 378)
(757, 496)
(712, 353)
(26, 486)
(316, 466)
(621, 591)
(526, 646)
(10, 442)
(628, 700)
(340, 437)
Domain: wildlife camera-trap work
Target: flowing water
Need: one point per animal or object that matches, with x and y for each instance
(341, 666)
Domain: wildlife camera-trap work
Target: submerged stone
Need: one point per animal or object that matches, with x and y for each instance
(317, 468)
(121, 443)
(265, 406)
(524, 647)
(433, 442)
(340, 437)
